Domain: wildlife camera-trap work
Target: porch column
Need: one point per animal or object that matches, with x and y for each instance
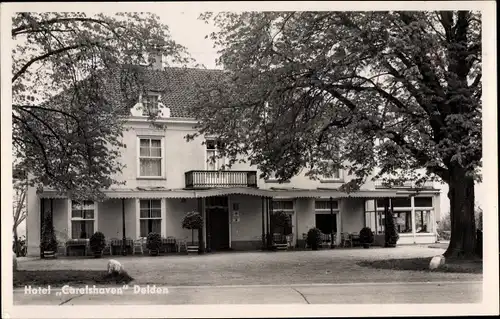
(332, 245)
(201, 245)
(386, 213)
(42, 219)
(413, 221)
(263, 223)
(124, 238)
(269, 240)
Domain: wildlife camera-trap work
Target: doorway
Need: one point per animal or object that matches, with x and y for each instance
(326, 223)
(217, 221)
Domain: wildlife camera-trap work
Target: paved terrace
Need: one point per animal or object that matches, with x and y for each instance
(261, 268)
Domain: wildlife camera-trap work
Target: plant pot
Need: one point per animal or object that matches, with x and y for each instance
(366, 246)
(154, 252)
(49, 254)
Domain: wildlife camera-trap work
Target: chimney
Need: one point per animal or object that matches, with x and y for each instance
(157, 59)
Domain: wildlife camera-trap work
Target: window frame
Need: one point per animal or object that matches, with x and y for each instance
(332, 179)
(218, 161)
(139, 219)
(71, 219)
(145, 106)
(162, 161)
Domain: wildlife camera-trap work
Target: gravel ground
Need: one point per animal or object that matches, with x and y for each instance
(240, 268)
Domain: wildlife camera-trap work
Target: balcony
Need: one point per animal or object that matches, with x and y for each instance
(215, 179)
(428, 185)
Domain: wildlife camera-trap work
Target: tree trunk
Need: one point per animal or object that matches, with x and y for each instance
(201, 244)
(463, 227)
(16, 242)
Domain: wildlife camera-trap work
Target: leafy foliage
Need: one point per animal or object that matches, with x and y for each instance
(282, 221)
(391, 233)
(71, 74)
(97, 241)
(383, 95)
(314, 238)
(49, 241)
(153, 241)
(192, 220)
(366, 235)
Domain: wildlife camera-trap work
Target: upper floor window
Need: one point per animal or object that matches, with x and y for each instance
(150, 104)
(151, 157)
(332, 175)
(214, 162)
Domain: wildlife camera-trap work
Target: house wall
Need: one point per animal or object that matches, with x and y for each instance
(182, 156)
(175, 211)
(247, 232)
(353, 218)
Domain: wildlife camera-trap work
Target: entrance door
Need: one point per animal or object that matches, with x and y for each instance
(325, 222)
(217, 223)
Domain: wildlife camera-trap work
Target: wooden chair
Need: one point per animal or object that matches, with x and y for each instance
(107, 248)
(326, 240)
(138, 246)
(181, 245)
(346, 240)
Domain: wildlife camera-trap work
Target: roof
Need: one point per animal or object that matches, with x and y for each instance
(177, 86)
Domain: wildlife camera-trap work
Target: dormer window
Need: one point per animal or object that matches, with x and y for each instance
(150, 104)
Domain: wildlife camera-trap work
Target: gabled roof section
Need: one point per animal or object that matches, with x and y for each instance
(178, 86)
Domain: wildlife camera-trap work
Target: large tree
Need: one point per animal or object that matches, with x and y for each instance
(74, 81)
(380, 94)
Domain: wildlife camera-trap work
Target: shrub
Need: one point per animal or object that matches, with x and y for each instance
(153, 241)
(391, 234)
(282, 222)
(366, 236)
(314, 238)
(97, 241)
(49, 240)
(192, 220)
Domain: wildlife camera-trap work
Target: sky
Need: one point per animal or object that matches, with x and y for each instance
(187, 30)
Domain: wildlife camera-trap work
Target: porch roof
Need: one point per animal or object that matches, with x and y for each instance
(160, 192)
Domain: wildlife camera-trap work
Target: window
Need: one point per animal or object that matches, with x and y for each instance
(423, 201)
(403, 222)
(334, 175)
(82, 219)
(283, 205)
(213, 147)
(423, 221)
(150, 157)
(150, 217)
(396, 202)
(326, 205)
(326, 221)
(150, 104)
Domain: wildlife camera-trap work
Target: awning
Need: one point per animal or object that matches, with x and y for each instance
(159, 192)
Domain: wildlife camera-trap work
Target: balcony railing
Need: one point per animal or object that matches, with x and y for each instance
(379, 184)
(210, 179)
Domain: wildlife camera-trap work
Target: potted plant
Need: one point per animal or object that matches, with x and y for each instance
(314, 238)
(97, 243)
(153, 243)
(366, 237)
(192, 220)
(49, 240)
